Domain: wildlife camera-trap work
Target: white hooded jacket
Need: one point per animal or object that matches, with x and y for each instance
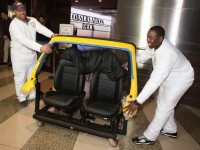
(170, 68)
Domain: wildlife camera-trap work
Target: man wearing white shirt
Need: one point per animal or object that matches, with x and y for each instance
(23, 48)
(173, 74)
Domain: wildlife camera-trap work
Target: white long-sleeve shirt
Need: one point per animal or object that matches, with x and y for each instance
(23, 36)
(170, 67)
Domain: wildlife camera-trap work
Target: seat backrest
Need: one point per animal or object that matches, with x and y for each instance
(68, 80)
(104, 89)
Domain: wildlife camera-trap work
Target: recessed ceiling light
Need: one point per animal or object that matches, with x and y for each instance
(100, 1)
(76, 1)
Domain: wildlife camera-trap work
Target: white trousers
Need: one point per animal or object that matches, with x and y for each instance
(167, 99)
(22, 69)
(6, 50)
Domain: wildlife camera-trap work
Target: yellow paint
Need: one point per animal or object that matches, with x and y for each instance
(30, 84)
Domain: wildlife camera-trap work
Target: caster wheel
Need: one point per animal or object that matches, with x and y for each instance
(114, 142)
(39, 123)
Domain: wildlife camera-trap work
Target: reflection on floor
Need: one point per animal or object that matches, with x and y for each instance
(18, 130)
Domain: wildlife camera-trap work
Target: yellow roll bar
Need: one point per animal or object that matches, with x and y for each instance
(130, 48)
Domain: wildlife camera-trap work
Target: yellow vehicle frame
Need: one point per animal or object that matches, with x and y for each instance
(83, 124)
(130, 48)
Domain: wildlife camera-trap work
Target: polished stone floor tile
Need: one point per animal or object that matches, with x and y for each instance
(7, 91)
(136, 127)
(6, 74)
(6, 81)
(18, 129)
(5, 68)
(4, 147)
(50, 137)
(90, 142)
(184, 140)
(196, 111)
(8, 107)
(189, 121)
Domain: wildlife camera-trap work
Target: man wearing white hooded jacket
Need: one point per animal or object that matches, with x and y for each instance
(23, 48)
(173, 74)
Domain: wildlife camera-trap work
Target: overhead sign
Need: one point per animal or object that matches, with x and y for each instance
(91, 24)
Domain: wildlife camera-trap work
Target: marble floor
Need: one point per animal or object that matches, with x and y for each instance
(18, 129)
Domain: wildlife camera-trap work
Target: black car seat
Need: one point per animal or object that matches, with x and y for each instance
(105, 96)
(69, 85)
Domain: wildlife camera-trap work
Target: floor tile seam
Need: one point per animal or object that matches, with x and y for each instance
(191, 110)
(6, 116)
(8, 146)
(5, 69)
(13, 117)
(10, 89)
(178, 124)
(12, 84)
(6, 81)
(5, 75)
(39, 132)
(191, 127)
(140, 125)
(5, 99)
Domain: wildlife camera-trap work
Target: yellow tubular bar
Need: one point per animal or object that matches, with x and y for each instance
(30, 84)
(112, 44)
(94, 42)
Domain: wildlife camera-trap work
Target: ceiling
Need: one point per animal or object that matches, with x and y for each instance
(106, 7)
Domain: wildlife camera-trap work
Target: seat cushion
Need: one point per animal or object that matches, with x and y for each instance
(60, 100)
(101, 108)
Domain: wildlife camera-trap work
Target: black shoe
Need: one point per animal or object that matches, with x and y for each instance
(172, 135)
(142, 140)
(24, 103)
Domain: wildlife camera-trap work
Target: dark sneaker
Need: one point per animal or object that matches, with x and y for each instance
(142, 140)
(172, 135)
(23, 103)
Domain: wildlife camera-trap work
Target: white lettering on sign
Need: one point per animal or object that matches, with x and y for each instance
(91, 24)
